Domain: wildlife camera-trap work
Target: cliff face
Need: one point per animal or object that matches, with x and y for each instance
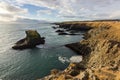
(101, 52)
(103, 39)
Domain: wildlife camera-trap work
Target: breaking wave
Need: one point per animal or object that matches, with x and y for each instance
(73, 59)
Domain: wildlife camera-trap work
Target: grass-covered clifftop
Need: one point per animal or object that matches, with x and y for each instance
(100, 50)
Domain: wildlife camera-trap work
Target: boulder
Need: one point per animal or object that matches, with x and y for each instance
(32, 39)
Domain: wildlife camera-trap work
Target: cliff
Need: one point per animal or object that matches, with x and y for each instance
(100, 50)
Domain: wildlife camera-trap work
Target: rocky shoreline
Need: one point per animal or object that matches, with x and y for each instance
(100, 50)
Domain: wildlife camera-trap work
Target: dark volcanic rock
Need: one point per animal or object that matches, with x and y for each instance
(65, 26)
(62, 33)
(55, 27)
(81, 49)
(76, 27)
(65, 33)
(59, 31)
(80, 27)
(74, 34)
(32, 39)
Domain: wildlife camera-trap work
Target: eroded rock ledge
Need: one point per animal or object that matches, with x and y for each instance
(101, 54)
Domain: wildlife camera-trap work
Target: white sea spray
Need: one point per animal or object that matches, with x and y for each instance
(76, 59)
(73, 59)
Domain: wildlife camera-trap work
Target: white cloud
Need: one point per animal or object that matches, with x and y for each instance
(115, 14)
(10, 12)
(75, 9)
(7, 17)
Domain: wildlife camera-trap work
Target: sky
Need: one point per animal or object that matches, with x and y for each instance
(59, 10)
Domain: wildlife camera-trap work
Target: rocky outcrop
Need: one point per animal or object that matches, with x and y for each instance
(75, 26)
(59, 30)
(54, 27)
(71, 28)
(81, 49)
(62, 32)
(32, 39)
(75, 72)
(101, 54)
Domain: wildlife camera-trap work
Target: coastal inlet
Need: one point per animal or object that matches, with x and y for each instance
(35, 63)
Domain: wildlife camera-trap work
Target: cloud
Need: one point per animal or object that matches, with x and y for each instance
(10, 12)
(115, 14)
(7, 17)
(73, 9)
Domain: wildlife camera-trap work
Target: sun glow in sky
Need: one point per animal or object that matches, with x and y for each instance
(59, 10)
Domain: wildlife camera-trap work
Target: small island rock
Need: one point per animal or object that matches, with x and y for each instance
(32, 39)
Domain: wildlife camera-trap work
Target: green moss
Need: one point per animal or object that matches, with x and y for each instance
(32, 34)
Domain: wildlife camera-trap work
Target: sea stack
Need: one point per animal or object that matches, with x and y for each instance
(32, 39)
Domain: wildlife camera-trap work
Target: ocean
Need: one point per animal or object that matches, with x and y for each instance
(32, 64)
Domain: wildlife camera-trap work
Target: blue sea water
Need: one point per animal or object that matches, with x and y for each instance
(31, 64)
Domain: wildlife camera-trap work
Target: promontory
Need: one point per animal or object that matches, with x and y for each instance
(100, 49)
